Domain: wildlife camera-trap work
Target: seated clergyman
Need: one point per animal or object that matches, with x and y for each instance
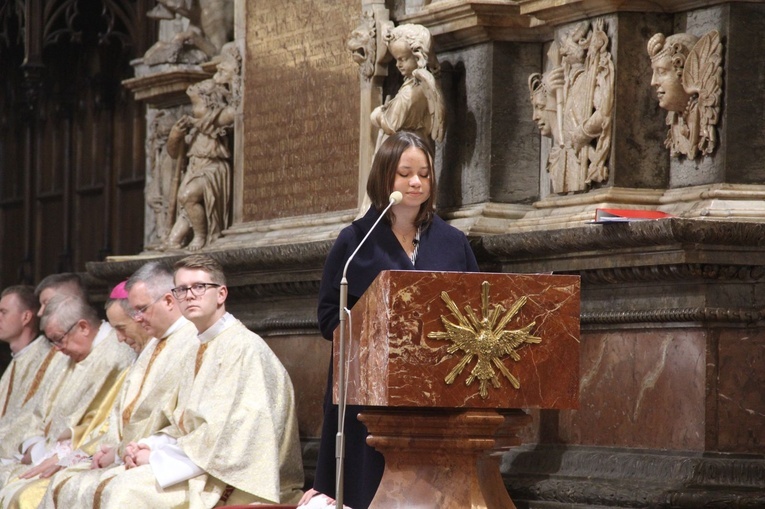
(96, 361)
(233, 436)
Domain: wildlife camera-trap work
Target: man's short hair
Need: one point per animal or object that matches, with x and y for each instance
(157, 277)
(65, 282)
(205, 263)
(123, 303)
(66, 310)
(26, 296)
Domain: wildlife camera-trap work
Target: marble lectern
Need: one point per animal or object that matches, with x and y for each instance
(443, 363)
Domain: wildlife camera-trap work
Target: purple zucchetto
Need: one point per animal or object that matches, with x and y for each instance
(119, 292)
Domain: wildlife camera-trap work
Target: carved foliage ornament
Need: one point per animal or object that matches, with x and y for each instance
(484, 339)
(687, 75)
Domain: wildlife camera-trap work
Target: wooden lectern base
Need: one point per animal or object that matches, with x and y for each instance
(441, 458)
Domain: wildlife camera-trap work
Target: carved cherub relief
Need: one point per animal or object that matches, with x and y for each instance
(687, 74)
(200, 145)
(419, 105)
(581, 87)
(211, 25)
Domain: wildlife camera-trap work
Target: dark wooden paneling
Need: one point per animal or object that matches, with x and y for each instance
(72, 158)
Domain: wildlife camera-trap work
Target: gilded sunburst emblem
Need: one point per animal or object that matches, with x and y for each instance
(484, 338)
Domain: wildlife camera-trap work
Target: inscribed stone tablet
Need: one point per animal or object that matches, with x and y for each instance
(301, 109)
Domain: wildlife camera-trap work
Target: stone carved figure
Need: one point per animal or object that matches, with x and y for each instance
(581, 85)
(200, 145)
(419, 104)
(363, 45)
(545, 108)
(687, 74)
(211, 25)
(160, 189)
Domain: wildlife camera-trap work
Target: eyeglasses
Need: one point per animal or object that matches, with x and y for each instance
(197, 290)
(57, 342)
(137, 313)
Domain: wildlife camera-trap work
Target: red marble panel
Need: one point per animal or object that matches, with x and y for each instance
(641, 389)
(394, 362)
(739, 406)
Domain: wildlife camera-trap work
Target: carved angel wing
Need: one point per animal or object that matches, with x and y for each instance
(702, 78)
(436, 107)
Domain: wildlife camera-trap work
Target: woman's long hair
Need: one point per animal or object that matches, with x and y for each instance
(383, 174)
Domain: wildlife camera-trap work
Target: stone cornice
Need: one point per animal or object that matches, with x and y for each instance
(684, 315)
(459, 23)
(240, 265)
(557, 12)
(167, 88)
(606, 240)
(674, 272)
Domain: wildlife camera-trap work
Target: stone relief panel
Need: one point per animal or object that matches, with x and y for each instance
(419, 104)
(573, 105)
(161, 175)
(687, 75)
(210, 26)
(199, 185)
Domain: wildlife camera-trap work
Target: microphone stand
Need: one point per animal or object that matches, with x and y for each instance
(395, 197)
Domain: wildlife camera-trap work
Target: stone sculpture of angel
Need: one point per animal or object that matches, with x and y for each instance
(419, 105)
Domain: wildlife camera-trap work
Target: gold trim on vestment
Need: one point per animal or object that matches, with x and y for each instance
(57, 489)
(100, 491)
(10, 390)
(128, 412)
(40, 375)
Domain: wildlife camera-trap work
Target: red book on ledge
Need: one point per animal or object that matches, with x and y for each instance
(626, 215)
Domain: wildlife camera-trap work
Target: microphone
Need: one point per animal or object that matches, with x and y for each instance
(394, 198)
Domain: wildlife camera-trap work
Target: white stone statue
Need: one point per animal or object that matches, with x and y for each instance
(581, 85)
(211, 25)
(687, 74)
(419, 105)
(201, 146)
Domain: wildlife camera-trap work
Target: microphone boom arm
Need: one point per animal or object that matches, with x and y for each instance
(395, 197)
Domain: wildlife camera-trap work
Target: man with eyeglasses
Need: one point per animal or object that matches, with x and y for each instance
(233, 436)
(148, 396)
(27, 491)
(49, 376)
(96, 360)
